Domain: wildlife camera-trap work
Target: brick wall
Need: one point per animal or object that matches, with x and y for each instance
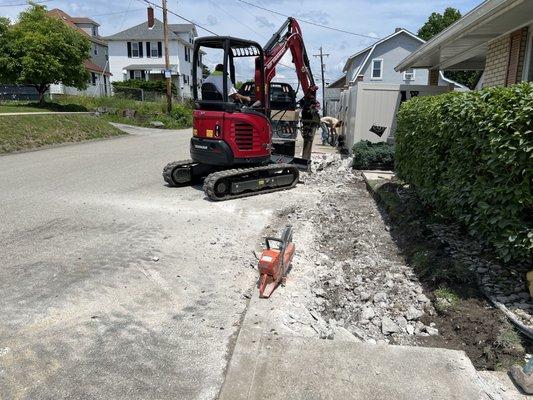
(497, 61)
(522, 53)
(433, 77)
(505, 59)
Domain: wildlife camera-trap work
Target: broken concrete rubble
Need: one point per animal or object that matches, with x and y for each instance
(347, 270)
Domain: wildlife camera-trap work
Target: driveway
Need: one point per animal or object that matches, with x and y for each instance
(113, 285)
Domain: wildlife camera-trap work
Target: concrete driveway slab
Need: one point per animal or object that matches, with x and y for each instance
(269, 366)
(113, 285)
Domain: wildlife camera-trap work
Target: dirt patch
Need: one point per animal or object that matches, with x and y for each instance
(446, 262)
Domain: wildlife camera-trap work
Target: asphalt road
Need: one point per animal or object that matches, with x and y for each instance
(113, 285)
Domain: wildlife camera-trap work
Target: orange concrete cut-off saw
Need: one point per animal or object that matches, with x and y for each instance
(275, 262)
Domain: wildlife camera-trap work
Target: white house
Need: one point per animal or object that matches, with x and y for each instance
(373, 90)
(97, 65)
(138, 53)
(376, 63)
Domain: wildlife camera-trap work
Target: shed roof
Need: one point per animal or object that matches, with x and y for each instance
(338, 83)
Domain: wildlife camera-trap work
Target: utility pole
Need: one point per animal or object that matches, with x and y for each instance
(322, 66)
(168, 72)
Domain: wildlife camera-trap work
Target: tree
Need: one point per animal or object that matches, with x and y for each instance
(4, 59)
(205, 71)
(40, 50)
(435, 24)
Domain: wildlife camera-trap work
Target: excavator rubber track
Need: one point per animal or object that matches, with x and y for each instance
(238, 183)
(172, 178)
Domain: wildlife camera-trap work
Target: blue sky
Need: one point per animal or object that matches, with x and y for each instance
(376, 18)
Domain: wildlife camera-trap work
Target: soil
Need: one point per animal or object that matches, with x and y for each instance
(472, 324)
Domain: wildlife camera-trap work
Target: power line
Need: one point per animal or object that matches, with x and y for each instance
(308, 22)
(180, 16)
(25, 4)
(118, 12)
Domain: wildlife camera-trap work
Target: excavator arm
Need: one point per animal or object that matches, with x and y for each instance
(289, 37)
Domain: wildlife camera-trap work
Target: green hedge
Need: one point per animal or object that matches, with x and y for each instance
(158, 86)
(367, 155)
(470, 156)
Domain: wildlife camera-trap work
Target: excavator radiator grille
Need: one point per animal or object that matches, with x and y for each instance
(244, 136)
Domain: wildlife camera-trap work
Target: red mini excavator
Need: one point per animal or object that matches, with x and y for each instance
(231, 147)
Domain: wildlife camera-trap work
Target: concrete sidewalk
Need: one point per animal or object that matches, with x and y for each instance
(269, 366)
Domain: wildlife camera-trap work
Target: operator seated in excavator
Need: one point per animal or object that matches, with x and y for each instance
(213, 87)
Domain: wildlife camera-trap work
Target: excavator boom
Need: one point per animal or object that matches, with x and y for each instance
(289, 37)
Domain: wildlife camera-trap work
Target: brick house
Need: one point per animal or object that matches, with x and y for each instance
(496, 37)
(97, 65)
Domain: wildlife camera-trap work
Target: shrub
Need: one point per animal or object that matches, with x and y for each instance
(146, 111)
(158, 86)
(470, 156)
(367, 155)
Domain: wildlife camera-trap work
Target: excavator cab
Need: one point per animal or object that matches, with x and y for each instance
(227, 132)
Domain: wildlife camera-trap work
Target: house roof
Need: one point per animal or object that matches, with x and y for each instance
(374, 45)
(369, 50)
(142, 32)
(463, 45)
(92, 67)
(338, 83)
(84, 20)
(71, 21)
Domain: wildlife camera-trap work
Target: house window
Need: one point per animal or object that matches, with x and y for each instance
(409, 75)
(93, 78)
(137, 74)
(95, 49)
(95, 31)
(154, 50)
(187, 54)
(377, 68)
(135, 50)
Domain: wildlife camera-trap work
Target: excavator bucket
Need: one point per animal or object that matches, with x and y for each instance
(301, 163)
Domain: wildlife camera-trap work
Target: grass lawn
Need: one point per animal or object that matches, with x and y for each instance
(14, 108)
(23, 107)
(23, 132)
(112, 109)
(145, 111)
